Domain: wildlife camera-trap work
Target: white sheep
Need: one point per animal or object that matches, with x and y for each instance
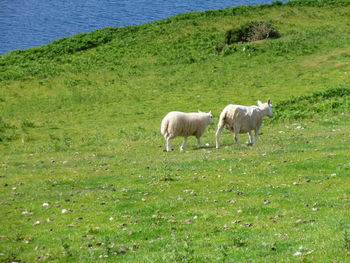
(183, 124)
(242, 119)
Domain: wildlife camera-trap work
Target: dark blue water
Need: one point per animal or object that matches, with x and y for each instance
(30, 23)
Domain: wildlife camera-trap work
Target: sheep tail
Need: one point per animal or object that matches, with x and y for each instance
(222, 119)
(164, 127)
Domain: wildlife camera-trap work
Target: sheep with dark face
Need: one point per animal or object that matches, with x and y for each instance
(183, 124)
(242, 119)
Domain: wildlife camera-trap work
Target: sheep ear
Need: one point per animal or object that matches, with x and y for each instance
(259, 103)
(269, 101)
(209, 112)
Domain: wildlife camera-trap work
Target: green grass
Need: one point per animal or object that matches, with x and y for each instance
(79, 130)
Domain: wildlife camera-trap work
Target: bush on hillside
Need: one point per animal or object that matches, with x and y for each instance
(251, 31)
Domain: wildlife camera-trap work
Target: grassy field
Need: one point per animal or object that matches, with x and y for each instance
(83, 175)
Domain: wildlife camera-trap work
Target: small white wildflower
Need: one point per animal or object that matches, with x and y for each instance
(27, 213)
(298, 253)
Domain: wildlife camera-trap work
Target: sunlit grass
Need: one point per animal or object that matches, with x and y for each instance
(83, 174)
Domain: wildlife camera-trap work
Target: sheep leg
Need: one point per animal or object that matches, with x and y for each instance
(199, 142)
(250, 142)
(183, 144)
(218, 134)
(256, 137)
(236, 138)
(169, 146)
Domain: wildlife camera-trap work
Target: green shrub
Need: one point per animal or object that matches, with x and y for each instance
(277, 3)
(251, 31)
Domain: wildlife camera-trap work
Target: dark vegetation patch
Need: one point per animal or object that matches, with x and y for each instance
(318, 3)
(8, 132)
(251, 31)
(332, 100)
(67, 45)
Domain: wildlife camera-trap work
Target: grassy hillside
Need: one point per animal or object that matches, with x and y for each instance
(83, 175)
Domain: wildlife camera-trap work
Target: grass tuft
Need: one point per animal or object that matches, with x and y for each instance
(329, 101)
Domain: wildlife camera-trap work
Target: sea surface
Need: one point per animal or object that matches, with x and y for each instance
(30, 23)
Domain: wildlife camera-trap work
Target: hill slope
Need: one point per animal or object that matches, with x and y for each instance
(83, 174)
